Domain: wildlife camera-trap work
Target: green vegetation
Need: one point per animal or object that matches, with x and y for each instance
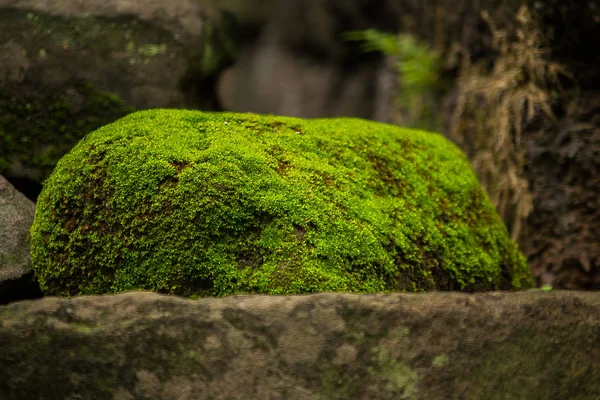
(418, 67)
(197, 204)
(220, 46)
(440, 361)
(40, 129)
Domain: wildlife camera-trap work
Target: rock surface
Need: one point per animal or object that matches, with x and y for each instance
(16, 272)
(528, 345)
(193, 203)
(69, 67)
(181, 17)
(16, 217)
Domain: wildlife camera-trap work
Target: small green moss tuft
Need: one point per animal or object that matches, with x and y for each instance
(200, 204)
(440, 361)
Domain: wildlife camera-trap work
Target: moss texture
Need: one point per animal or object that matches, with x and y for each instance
(39, 129)
(197, 204)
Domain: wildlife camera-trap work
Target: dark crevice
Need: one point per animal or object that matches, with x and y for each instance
(31, 189)
(23, 288)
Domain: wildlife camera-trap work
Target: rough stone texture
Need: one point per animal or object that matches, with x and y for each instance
(16, 217)
(17, 280)
(68, 67)
(180, 17)
(496, 346)
(194, 203)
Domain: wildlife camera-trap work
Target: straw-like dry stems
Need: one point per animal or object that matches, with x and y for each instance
(495, 103)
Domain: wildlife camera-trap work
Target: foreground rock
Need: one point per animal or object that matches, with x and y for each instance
(197, 204)
(16, 217)
(529, 345)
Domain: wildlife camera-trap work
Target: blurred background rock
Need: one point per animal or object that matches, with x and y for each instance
(514, 83)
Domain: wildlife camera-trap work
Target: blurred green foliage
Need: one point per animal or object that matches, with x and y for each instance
(418, 67)
(219, 47)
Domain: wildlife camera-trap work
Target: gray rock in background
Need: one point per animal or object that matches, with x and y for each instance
(270, 78)
(69, 67)
(16, 217)
(139, 50)
(180, 17)
(299, 64)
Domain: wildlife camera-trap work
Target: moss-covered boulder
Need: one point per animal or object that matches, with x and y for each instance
(195, 204)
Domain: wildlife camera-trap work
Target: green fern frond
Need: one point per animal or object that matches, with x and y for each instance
(418, 68)
(374, 41)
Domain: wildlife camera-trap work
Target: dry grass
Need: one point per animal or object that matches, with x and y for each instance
(494, 104)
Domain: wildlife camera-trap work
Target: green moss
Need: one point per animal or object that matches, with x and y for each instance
(400, 379)
(198, 204)
(440, 361)
(39, 129)
(385, 359)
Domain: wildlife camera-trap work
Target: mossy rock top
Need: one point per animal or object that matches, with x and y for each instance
(195, 204)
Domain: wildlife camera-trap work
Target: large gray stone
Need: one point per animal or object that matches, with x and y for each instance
(69, 67)
(180, 17)
(16, 217)
(139, 50)
(494, 346)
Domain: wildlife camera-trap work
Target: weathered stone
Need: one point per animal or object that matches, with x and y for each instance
(180, 17)
(16, 217)
(197, 204)
(530, 345)
(69, 67)
(16, 274)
